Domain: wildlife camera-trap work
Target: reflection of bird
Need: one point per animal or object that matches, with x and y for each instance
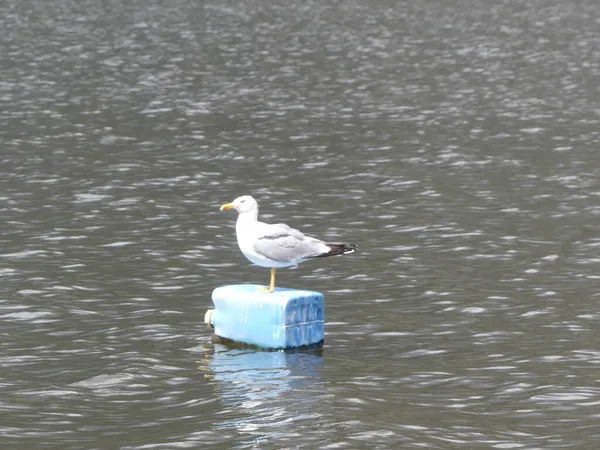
(276, 245)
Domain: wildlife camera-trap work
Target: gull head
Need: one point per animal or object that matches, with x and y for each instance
(242, 204)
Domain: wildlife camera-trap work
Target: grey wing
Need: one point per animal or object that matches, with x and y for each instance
(279, 242)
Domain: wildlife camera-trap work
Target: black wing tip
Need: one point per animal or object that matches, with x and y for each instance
(339, 249)
(349, 248)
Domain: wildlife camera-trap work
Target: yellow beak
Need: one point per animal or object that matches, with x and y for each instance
(227, 206)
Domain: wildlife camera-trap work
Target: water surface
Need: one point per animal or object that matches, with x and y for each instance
(455, 144)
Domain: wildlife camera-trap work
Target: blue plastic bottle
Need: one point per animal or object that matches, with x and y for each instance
(283, 319)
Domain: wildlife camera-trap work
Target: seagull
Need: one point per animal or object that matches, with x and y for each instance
(276, 245)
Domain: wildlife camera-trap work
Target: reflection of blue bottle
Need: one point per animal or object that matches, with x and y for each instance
(267, 398)
(285, 318)
(252, 378)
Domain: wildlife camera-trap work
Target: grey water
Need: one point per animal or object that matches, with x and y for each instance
(456, 143)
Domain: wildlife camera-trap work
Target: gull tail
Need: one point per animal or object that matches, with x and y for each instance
(338, 249)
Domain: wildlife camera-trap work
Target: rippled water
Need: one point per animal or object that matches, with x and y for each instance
(456, 144)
